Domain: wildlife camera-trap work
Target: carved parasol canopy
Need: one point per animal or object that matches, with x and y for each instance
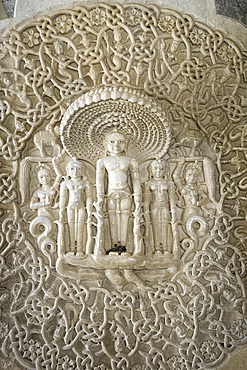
(105, 109)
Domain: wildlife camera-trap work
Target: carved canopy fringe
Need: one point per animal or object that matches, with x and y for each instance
(180, 308)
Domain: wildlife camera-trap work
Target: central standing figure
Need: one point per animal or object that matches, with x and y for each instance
(118, 188)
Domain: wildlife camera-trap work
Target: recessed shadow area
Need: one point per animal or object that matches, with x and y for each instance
(233, 9)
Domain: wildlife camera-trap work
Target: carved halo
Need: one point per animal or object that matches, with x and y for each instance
(101, 110)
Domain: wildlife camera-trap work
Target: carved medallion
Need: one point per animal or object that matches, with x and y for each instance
(123, 190)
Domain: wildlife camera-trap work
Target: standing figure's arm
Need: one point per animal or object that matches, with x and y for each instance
(56, 165)
(147, 200)
(172, 201)
(174, 218)
(134, 171)
(177, 173)
(89, 200)
(147, 195)
(203, 197)
(100, 182)
(63, 200)
(89, 208)
(36, 203)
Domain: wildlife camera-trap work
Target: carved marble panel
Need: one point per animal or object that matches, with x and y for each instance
(123, 191)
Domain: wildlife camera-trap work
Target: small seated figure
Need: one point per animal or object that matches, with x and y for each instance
(43, 198)
(76, 203)
(160, 209)
(118, 188)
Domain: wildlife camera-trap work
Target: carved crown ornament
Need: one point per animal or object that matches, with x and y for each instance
(123, 191)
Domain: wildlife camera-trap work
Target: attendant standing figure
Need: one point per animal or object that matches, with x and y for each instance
(193, 195)
(43, 198)
(160, 210)
(76, 202)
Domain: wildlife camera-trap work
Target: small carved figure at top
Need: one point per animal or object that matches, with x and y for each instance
(43, 140)
(116, 48)
(117, 191)
(188, 137)
(61, 61)
(76, 201)
(169, 54)
(15, 90)
(43, 198)
(160, 209)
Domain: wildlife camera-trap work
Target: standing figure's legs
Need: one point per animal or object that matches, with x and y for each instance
(157, 232)
(124, 219)
(160, 223)
(119, 213)
(72, 213)
(80, 231)
(165, 234)
(112, 208)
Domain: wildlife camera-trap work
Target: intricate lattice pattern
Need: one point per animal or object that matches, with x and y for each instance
(198, 318)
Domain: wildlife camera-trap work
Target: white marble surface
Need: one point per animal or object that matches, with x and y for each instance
(111, 303)
(202, 10)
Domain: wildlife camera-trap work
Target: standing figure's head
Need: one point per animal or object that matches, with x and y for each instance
(192, 173)
(117, 34)
(115, 143)
(44, 174)
(174, 46)
(75, 169)
(58, 47)
(159, 169)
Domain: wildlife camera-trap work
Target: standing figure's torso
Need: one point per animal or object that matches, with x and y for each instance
(159, 191)
(76, 191)
(118, 170)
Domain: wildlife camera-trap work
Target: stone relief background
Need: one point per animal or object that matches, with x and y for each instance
(233, 9)
(194, 318)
